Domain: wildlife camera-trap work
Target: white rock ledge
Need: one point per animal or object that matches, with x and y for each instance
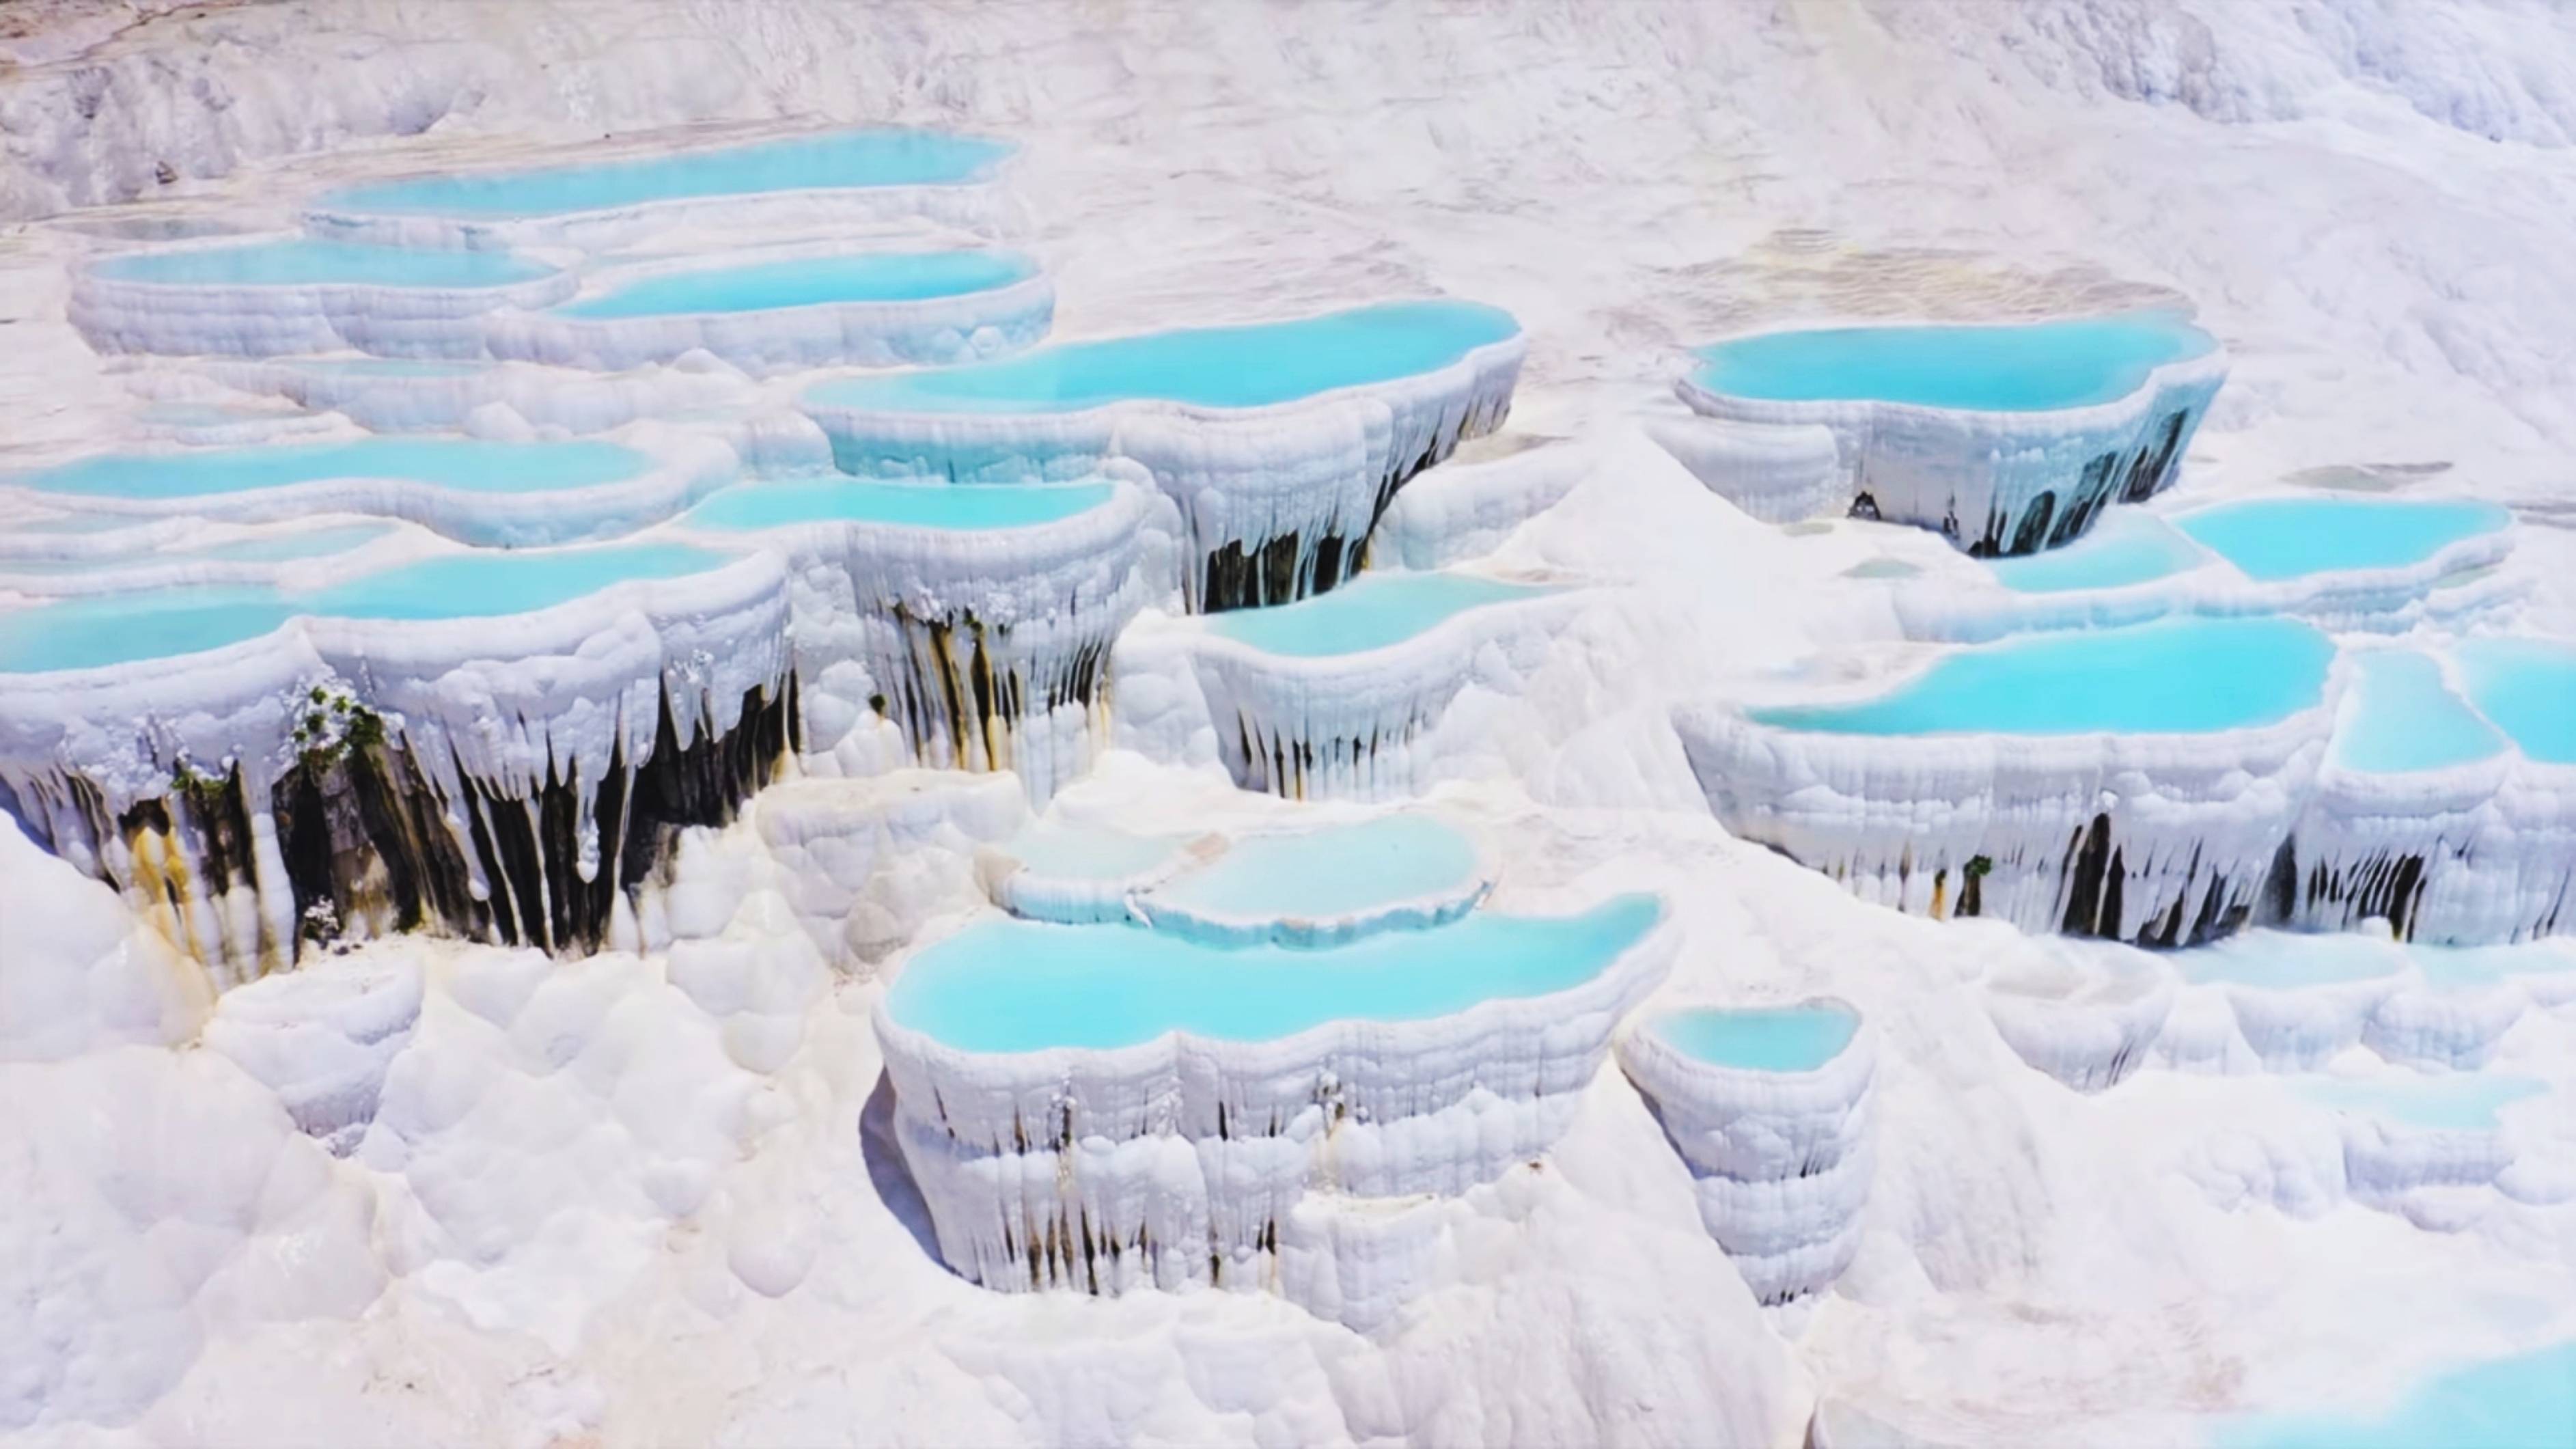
(271, 320)
(1359, 726)
(1993, 482)
(930, 331)
(1782, 1159)
(2159, 838)
(1277, 1165)
(1277, 502)
(503, 779)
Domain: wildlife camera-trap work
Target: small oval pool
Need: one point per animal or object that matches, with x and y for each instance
(2270, 539)
(2173, 676)
(1317, 875)
(2127, 547)
(1371, 612)
(2022, 367)
(1798, 1038)
(2404, 717)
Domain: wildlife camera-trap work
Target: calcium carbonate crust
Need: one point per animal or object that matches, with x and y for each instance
(980, 205)
(160, 776)
(1781, 1161)
(2161, 838)
(1993, 482)
(1465, 508)
(2451, 587)
(928, 332)
(1277, 502)
(1343, 727)
(1186, 1161)
(682, 467)
(184, 318)
(988, 648)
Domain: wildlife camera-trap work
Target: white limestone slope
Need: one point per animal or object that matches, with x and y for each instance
(588, 1219)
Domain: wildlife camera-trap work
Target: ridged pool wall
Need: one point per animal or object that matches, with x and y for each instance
(480, 744)
(978, 620)
(2007, 439)
(2403, 563)
(1282, 443)
(280, 296)
(1770, 1108)
(1108, 1108)
(2135, 783)
(478, 491)
(1336, 697)
(878, 175)
(767, 314)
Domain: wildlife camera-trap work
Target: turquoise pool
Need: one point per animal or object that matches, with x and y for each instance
(2126, 547)
(303, 261)
(2404, 717)
(801, 163)
(808, 281)
(1760, 1039)
(100, 630)
(1023, 986)
(784, 503)
(1324, 874)
(473, 465)
(1371, 612)
(1232, 367)
(2527, 1401)
(2270, 539)
(2288, 960)
(2459, 1102)
(2025, 367)
(2173, 676)
(2528, 687)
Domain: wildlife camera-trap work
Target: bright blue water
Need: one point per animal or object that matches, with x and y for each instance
(784, 502)
(121, 628)
(2126, 547)
(2031, 367)
(2475, 967)
(2289, 538)
(1024, 986)
(303, 261)
(805, 282)
(103, 629)
(290, 546)
(266, 548)
(2528, 687)
(2458, 1102)
(2288, 960)
(1760, 1039)
(1371, 612)
(1327, 874)
(474, 465)
(484, 583)
(1090, 852)
(2403, 717)
(803, 163)
(2172, 676)
(1229, 367)
(2527, 1401)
